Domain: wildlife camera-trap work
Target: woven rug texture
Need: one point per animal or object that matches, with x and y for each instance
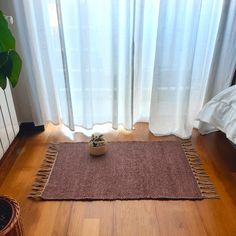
(128, 170)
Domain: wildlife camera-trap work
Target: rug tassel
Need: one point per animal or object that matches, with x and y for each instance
(44, 172)
(204, 183)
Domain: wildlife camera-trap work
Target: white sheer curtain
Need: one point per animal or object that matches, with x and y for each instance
(91, 62)
(195, 58)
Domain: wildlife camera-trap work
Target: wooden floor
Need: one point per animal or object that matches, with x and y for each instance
(126, 218)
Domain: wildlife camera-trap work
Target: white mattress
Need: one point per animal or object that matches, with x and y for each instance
(220, 113)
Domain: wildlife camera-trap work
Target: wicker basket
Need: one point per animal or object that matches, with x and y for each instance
(98, 150)
(10, 217)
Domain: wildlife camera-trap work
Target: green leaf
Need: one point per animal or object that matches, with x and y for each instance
(5, 64)
(7, 41)
(10, 66)
(16, 68)
(3, 82)
(10, 61)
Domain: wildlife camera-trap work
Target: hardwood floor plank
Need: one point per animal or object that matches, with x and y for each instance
(76, 218)
(90, 227)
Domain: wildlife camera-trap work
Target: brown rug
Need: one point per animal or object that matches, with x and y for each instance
(129, 170)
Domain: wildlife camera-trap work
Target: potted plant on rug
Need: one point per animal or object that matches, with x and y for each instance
(10, 61)
(97, 145)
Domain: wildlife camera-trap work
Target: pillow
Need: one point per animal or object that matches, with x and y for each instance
(220, 113)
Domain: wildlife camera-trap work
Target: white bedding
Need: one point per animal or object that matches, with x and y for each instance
(220, 113)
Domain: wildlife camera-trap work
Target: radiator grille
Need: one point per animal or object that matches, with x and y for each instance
(8, 121)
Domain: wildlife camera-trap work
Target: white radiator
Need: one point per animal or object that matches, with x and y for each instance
(9, 126)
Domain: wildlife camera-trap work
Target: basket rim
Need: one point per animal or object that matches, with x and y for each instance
(15, 213)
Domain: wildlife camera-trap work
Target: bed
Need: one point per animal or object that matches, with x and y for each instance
(220, 114)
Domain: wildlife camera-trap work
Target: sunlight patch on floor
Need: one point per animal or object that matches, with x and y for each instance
(97, 129)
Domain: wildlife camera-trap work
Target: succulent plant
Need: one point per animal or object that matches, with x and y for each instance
(97, 140)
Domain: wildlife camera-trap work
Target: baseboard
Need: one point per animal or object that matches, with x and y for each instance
(30, 128)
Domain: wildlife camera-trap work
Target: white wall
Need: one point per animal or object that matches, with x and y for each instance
(20, 93)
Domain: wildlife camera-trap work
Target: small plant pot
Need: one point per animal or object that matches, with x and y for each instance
(98, 150)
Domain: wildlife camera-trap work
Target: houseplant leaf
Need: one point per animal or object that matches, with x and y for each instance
(10, 61)
(7, 41)
(5, 63)
(15, 69)
(10, 67)
(3, 82)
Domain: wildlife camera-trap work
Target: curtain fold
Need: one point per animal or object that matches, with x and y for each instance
(93, 62)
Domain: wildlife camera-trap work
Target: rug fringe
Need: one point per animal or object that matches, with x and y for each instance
(205, 185)
(44, 172)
